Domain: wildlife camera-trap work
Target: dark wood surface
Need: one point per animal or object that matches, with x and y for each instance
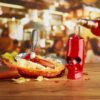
(87, 88)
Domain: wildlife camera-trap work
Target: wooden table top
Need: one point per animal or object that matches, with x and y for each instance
(87, 88)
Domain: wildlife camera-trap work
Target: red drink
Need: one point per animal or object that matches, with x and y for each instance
(75, 57)
(93, 25)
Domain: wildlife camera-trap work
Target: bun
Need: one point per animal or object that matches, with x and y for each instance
(30, 69)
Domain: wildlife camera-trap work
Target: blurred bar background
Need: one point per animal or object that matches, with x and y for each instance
(55, 20)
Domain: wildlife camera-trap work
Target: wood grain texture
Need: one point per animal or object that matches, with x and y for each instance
(87, 88)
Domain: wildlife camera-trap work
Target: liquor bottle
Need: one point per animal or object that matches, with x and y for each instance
(93, 25)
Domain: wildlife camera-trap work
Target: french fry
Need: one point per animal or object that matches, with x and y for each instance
(9, 74)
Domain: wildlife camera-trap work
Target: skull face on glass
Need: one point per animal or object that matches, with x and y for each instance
(75, 57)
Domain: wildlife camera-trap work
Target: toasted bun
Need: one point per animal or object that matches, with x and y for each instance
(32, 69)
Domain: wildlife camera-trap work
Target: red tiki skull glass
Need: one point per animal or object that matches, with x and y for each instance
(75, 57)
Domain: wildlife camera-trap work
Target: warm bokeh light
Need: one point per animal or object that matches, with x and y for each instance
(11, 5)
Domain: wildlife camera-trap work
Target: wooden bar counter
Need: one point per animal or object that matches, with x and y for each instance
(87, 88)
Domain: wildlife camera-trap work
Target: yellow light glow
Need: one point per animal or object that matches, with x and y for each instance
(79, 12)
(89, 1)
(54, 28)
(1, 12)
(13, 19)
(4, 20)
(86, 13)
(62, 27)
(56, 4)
(11, 5)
